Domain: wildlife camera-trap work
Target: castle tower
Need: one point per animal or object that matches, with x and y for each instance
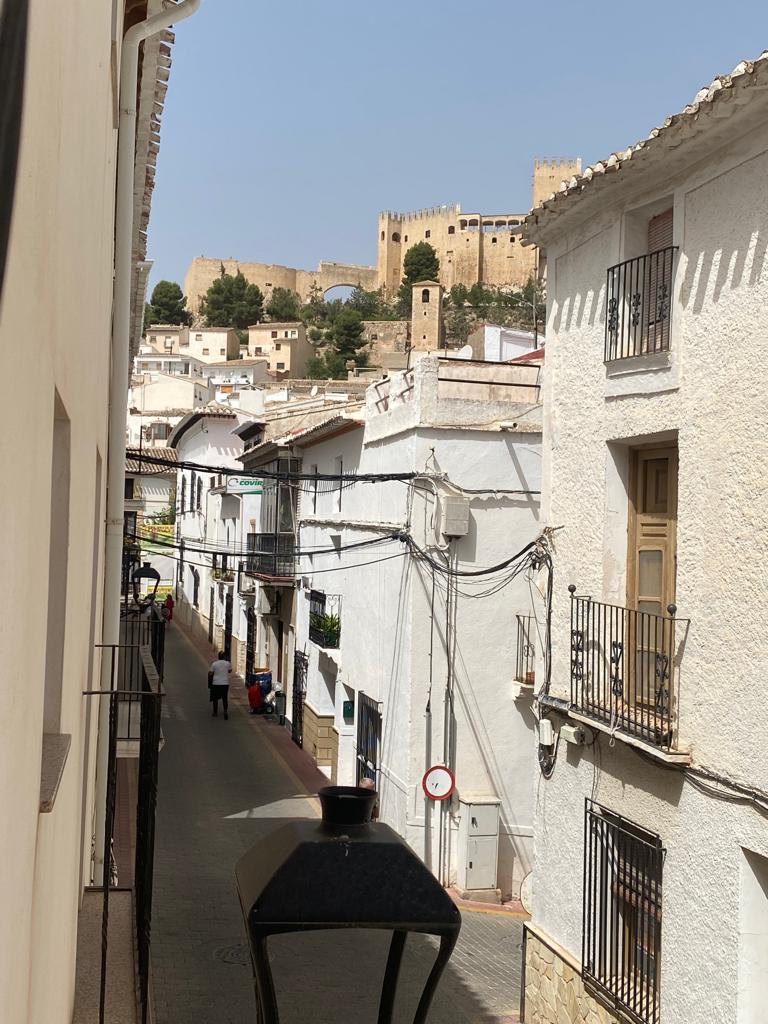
(427, 316)
(390, 252)
(548, 174)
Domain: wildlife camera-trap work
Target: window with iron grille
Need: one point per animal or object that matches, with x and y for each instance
(368, 738)
(621, 943)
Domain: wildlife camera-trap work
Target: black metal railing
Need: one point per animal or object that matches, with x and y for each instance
(622, 668)
(136, 632)
(300, 666)
(525, 662)
(324, 619)
(271, 554)
(130, 664)
(639, 305)
(621, 936)
(368, 738)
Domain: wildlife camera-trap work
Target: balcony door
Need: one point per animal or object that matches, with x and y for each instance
(651, 570)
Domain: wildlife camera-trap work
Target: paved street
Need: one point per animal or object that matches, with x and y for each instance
(212, 770)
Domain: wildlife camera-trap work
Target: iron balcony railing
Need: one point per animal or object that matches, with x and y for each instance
(639, 305)
(271, 554)
(621, 938)
(525, 663)
(622, 669)
(324, 619)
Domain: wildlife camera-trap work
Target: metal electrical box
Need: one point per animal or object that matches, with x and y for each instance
(478, 854)
(454, 517)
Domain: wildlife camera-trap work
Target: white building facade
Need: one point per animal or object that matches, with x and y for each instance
(404, 668)
(650, 892)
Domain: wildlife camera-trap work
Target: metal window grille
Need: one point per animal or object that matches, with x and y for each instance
(250, 642)
(324, 619)
(525, 663)
(639, 305)
(621, 937)
(300, 666)
(622, 668)
(368, 738)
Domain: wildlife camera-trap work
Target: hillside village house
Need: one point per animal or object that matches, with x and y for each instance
(651, 847)
(208, 344)
(61, 256)
(285, 345)
(355, 641)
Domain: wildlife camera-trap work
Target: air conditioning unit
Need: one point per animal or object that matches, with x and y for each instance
(454, 517)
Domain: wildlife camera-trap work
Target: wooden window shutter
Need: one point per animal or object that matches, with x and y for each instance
(660, 231)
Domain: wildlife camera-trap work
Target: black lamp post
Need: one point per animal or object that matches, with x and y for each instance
(343, 872)
(146, 572)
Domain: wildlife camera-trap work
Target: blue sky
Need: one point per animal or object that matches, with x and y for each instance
(290, 124)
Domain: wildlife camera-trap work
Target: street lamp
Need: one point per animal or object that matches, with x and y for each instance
(146, 572)
(344, 871)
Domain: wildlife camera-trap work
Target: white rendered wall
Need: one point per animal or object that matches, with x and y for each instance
(386, 627)
(711, 397)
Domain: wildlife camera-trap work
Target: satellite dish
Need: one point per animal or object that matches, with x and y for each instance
(313, 390)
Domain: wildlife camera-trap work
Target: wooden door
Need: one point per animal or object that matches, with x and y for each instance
(652, 561)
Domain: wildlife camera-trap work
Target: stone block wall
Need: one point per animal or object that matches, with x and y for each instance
(321, 740)
(554, 990)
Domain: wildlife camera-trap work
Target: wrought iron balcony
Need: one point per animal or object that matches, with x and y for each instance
(525, 664)
(639, 305)
(622, 669)
(324, 619)
(271, 554)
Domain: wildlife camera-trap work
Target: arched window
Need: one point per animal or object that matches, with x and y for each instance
(463, 225)
(406, 238)
(451, 229)
(425, 294)
(494, 240)
(395, 236)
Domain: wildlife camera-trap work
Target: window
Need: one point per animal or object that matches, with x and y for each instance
(286, 334)
(294, 334)
(222, 351)
(278, 346)
(192, 490)
(406, 238)
(427, 234)
(451, 229)
(168, 343)
(622, 911)
(198, 337)
(129, 488)
(199, 496)
(395, 236)
(257, 350)
(195, 587)
(383, 236)
(652, 530)
(494, 240)
(279, 366)
(58, 567)
(159, 431)
(206, 352)
(425, 295)
(368, 737)
(273, 334)
(183, 494)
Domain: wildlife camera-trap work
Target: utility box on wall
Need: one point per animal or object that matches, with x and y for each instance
(454, 517)
(478, 854)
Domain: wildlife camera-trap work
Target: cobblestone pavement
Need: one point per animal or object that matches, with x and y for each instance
(210, 770)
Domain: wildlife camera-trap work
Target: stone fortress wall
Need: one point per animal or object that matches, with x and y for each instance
(471, 247)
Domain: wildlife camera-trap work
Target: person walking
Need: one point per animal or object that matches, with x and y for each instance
(169, 603)
(218, 683)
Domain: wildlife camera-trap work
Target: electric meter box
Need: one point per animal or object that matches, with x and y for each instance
(454, 517)
(478, 853)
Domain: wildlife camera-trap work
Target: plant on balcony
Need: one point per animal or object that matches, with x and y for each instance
(327, 626)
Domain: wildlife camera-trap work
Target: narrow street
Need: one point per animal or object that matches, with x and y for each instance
(224, 784)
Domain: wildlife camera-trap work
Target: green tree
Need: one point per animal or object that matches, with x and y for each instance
(167, 306)
(283, 305)
(232, 302)
(346, 336)
(421, 263)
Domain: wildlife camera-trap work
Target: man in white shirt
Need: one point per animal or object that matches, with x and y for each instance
(218, 682)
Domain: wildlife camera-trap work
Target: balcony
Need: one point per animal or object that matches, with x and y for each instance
(623, 670)
(324, 619)
(639, 305)
(525, 662)
(272, 555)
(224, 575)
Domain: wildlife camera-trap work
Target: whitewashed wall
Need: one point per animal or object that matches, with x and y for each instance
(711, 395)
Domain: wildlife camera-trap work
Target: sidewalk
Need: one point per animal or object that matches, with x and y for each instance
(223, 784)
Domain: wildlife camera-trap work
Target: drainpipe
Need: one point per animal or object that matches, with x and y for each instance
(120, 363)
